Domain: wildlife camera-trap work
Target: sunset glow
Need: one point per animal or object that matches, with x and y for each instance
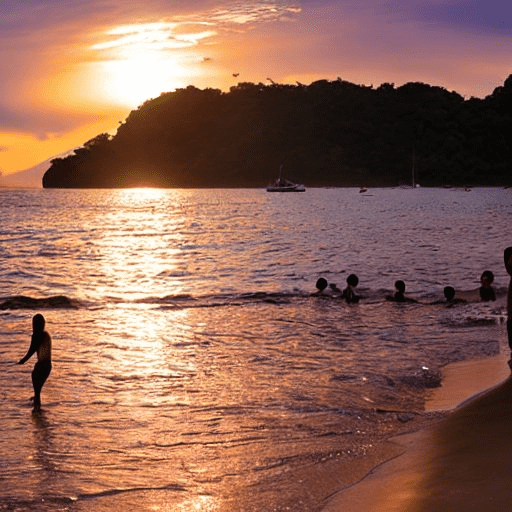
(131, 82)
(78, 69)
(138, 62)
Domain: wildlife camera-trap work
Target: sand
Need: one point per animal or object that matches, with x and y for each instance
(464, 462)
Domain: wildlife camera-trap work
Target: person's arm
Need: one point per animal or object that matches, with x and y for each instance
(34, 345)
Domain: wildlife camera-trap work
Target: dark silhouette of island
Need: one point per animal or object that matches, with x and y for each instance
(328, 133)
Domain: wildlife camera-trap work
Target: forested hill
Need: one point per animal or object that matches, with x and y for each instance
(329, 133)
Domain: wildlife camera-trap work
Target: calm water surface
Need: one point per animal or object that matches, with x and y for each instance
(195, 371)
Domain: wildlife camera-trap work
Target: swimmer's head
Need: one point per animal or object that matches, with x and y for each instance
(38, 322)
(449, 292)
(321, 284)
(508, 259)
(352, 280)
(400, 286)
(487, 278)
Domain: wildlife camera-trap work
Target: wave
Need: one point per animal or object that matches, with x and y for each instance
(467, 313)
(471, 312)
(184, 301)
(54, 302)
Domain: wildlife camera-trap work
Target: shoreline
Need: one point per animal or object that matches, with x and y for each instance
(464, 381)
(403, 482)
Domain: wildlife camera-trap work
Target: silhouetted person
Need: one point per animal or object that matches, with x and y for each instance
(349, 293)
(486, 290)
(399, 295)
(449, 293)
(321, 285)
(41, 343)
(508, 266)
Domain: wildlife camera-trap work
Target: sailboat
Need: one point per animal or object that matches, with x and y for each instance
(413, 182)
(413, 177)
(284, 185)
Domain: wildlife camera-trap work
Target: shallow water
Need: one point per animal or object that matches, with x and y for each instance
(192, 368)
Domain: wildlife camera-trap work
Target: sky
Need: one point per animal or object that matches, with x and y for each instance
(73, 69)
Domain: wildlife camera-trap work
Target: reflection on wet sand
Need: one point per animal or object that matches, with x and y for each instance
(463, 462)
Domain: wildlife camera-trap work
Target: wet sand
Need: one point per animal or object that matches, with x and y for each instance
(464, 462)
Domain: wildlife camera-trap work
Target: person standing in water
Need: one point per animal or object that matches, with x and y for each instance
(508, 266)
(41, 343)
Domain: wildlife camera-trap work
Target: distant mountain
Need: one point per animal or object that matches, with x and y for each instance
(29, 178)
(329, 133)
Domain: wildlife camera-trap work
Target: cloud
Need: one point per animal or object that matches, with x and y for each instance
(242, 13)
(187, 30)
(42, 123)
(24, 17)
(155, 36)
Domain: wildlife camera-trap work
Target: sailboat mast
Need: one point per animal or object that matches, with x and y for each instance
(413, 165)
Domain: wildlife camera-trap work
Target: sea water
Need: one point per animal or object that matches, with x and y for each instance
(192, 368)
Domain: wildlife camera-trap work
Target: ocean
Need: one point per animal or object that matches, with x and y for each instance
(192, 367)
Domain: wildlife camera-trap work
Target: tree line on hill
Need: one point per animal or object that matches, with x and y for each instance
(328, 133)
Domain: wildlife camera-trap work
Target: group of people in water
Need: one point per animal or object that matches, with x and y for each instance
(486, 291)
(41, 342)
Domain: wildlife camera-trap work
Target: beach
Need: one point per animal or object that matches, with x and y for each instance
(461, 462)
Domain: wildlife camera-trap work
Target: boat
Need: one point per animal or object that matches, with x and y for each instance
(284, 185)
(413, 175)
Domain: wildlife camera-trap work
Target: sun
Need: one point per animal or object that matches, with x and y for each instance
(130, 82)
(138, 62)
